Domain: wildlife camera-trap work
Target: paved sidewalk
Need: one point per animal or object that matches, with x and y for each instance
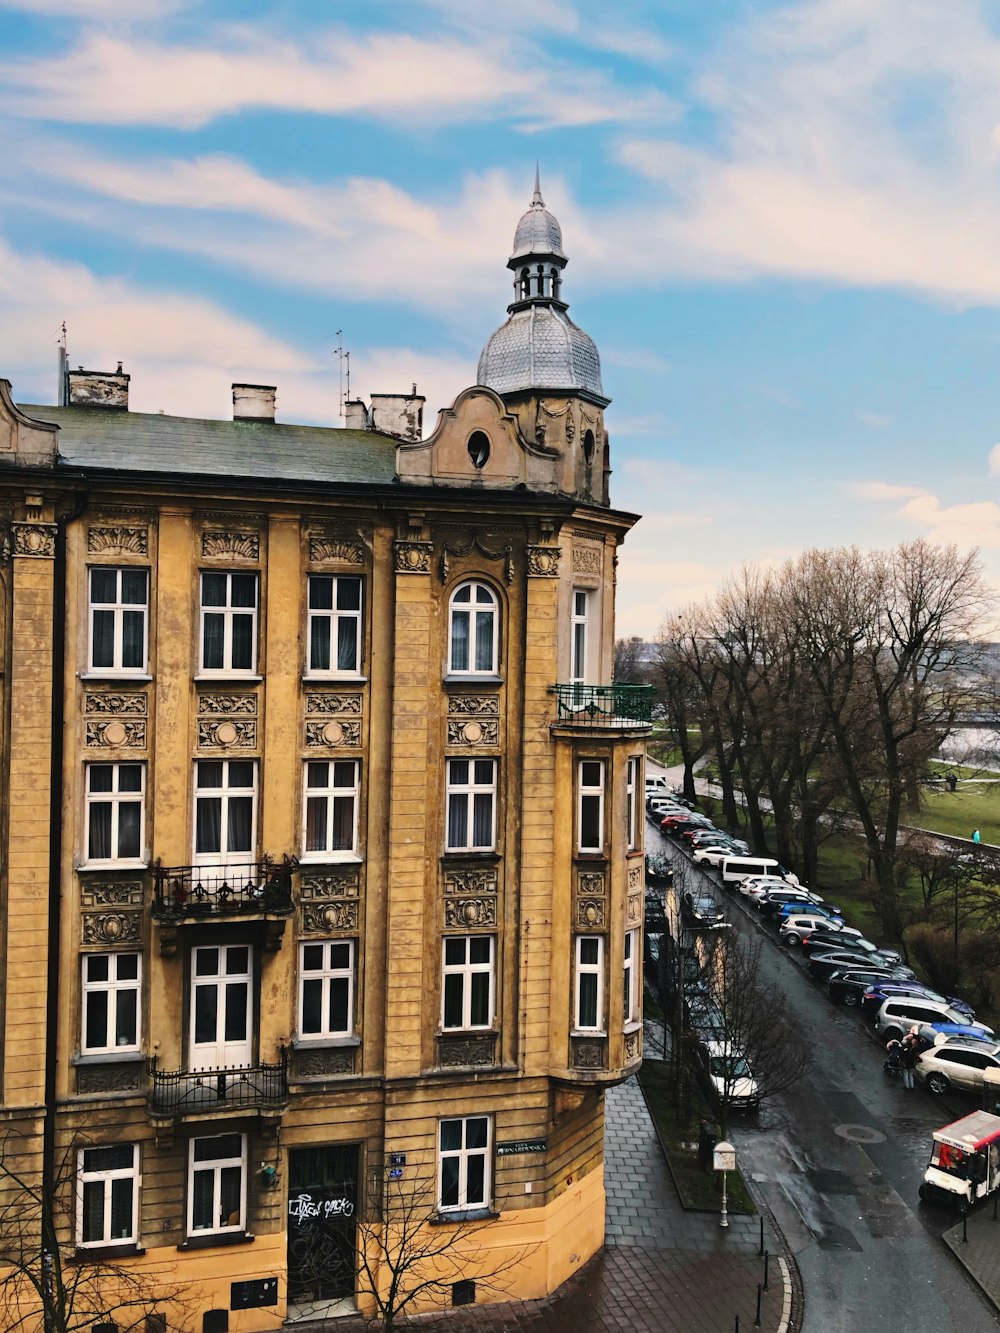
(979, 1253)
(663, 1270)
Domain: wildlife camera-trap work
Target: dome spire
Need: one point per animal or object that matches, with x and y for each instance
(537, 200)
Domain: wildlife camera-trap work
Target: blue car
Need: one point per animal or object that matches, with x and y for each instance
(933, 1034)
(807, 909)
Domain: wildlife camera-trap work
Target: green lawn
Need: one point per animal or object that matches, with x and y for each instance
(975, 804)
(697, 1186)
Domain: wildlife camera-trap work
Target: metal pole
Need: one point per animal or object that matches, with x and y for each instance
(761, 1247)
(756, 1322)
(965, 1232)
(724, 1219)
(994, 1206)
(766, 1257)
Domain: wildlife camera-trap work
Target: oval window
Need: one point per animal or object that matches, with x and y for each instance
(479, 448)
(588, 446)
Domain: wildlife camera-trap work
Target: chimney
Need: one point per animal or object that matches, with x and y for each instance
(98, 388)
(253, 402)
(356, 415)
(399, 414)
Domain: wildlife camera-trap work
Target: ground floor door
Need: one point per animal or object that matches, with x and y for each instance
(322, 1222)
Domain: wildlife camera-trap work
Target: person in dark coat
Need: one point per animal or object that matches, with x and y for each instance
(908, 1058)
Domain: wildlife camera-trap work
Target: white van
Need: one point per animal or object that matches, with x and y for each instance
(737, 868)
(657, 786)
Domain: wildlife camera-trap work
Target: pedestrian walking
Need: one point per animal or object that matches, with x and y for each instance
(952, 781)
(908, 1059)
(975, 835)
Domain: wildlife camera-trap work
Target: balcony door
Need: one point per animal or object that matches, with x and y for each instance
(221, 1006)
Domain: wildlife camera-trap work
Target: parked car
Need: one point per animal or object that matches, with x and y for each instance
(755, 885)
(709, 855)
(744, 867)
(655, 917)
(770, 903)
(794, 926)
(652, 949)
(821, 940)
(959, 1066)
(897, 1016)
(659, 867)
(833, 914)
(823, 965)
(701, 910)
(707, 1020)
(873, 998)
(960, 1034)
(849, 986)
(726, 1075)
(674, 825)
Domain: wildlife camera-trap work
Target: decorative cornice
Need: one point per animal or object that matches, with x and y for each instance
(230, 545)
(474, 544)
(588, 559)
(119, 540)
(326, 702)
(114, 734)
(115, 703)
(227, 735)
(474, 733)
(334, 733)
(227, 705)
(338, 550)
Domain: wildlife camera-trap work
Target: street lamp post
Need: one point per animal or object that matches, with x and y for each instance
(724, 1160)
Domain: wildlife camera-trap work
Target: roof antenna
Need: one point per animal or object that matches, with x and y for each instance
(343, 356)
(62, 388)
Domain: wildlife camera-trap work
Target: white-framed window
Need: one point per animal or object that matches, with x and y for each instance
(217, 1181)
(629, 976)
(326, 988)
(464, 1152)
(468, 970)
(225, 810)
(590, 805)
(119, 602)
(107, 1194)
(330, 818)
(633, 773)
(474, 630)
(115, 796)
(471, 803)
(335, 604)
(111, 1003)
(580, 636)
(228, 623)
(589, 1016)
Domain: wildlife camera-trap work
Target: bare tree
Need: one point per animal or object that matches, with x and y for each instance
(630, 669)
(756, 1024)
(408, 1253)
(41, 1283)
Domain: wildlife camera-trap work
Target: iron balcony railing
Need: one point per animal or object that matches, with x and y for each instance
(177, 1093)
(604, 705)
(251, 886)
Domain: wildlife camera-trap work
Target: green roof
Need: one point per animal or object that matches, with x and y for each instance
(93, 437)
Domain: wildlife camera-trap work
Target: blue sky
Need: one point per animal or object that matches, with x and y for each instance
(783, 224)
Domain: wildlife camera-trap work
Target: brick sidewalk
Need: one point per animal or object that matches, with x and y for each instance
(980, 1253)
(663, 1270)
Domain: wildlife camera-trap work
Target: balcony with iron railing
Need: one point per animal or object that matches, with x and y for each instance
(604, 707)
(247, 890)
(179, 1093)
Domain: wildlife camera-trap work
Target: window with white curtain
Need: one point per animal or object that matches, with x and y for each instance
(115, 797)
(589, 983)
(332, 788)
(471, 805)
(119, 599)
(473, 630)
(225, 800)
(335, 607)
(228, 623)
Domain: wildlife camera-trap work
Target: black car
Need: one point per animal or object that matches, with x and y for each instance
(877, 994)
(848, 987)
(700, 910)
(658, 868)
(820, 941)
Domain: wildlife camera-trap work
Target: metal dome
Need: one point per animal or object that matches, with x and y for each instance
(539, 347)
(538, 233)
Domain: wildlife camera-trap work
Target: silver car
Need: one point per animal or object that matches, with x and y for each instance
(897, 1016)
(958, 1064)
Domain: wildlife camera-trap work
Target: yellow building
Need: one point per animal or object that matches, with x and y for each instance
(321, 863)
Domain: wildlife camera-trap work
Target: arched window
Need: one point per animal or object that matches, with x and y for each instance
(554, 275)
(588, 446)
(525, 282)
(541, 279)
(473, 630)
(479, 448)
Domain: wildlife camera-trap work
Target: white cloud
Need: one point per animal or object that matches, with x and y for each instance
(876, 420)
(97, 9)
(108, 79)
(975, 524)
(882, 490)
(994, 460)
(183, 353)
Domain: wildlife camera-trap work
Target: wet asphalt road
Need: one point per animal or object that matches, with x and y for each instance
(840, 1158)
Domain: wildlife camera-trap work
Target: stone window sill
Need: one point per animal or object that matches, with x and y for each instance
(467, 678)
(589, 1032)
(213, 1238)
(109, 1058)
(114, 678)
(329, 678)
(324, 1043)
(633, 1026)
(330, 859)
(453, 1215)
(229, 678)
(86, 1254)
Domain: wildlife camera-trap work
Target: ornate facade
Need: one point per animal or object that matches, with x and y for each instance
(322, 825)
